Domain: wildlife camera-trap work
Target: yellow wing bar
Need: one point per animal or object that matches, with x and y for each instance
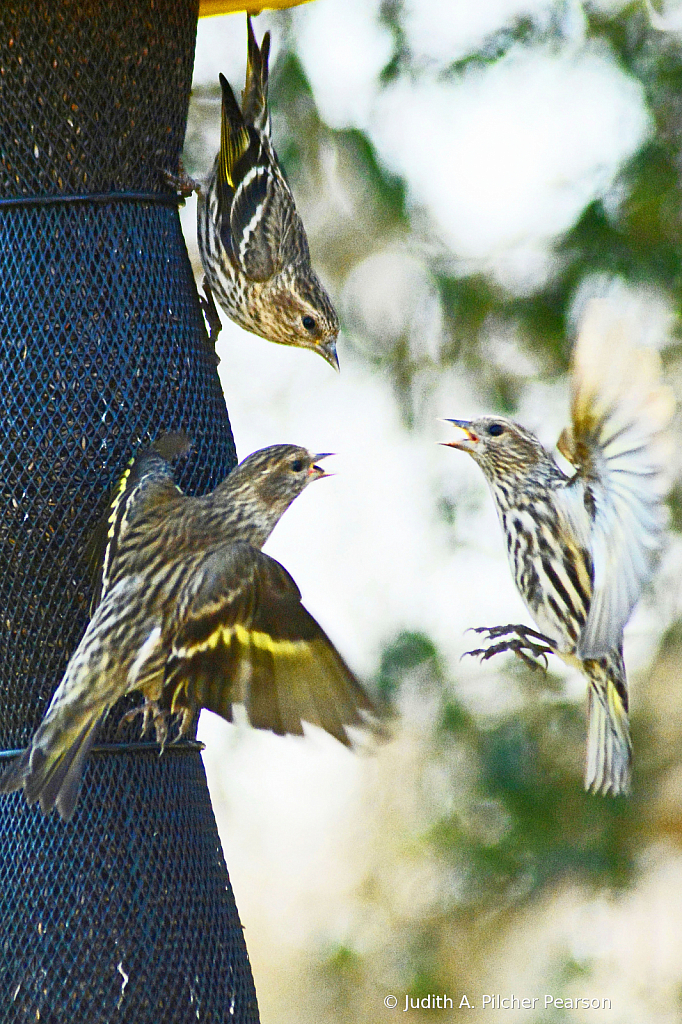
(209, 7)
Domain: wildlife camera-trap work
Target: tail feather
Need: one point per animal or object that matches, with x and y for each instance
(55, 778)
(50, 771)
(609, 749)
(118, 653)
(255, 94)
(13, 777)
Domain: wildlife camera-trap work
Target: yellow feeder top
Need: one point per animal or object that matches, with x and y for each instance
(208, 7)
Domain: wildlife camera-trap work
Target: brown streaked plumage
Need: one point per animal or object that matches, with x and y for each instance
(581, 547)
(193, 614)
(252, 242)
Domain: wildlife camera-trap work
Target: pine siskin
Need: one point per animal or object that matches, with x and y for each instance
(581, 547)
(252, 242)
(193, 614)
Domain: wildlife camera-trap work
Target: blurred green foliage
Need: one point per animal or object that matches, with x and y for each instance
(638, 238)
(513, 824)
(527, 821)
(408, 652)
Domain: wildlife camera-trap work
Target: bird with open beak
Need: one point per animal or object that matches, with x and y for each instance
(581, 546)
(190, 612)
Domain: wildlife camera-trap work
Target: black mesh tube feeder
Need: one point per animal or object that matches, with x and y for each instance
(126, 913)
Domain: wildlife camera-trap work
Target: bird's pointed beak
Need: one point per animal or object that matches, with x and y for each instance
(328, 353)
(466, 443)
(315, 473)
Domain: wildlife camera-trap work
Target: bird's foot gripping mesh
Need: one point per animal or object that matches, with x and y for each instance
(125, 913)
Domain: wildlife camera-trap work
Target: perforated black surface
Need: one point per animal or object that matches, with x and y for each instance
(102, 345)
(94, 93)
(125, 914)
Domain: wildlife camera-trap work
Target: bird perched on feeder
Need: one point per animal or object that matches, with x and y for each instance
(582, 546)
(193, 614)
(252, 242)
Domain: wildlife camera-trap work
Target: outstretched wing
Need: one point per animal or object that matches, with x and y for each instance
(148, 478)
(620, 448)
(246, 638)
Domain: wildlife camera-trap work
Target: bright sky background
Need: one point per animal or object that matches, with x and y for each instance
(501, 162)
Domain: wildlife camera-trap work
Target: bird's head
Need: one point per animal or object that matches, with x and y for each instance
(282, 471)
(299, 312)
(503, 449)
(265, 484)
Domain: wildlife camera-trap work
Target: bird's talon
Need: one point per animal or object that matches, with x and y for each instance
(181, 182)
(521, 645)
(149, 712)
(161, 728)
(527, 660)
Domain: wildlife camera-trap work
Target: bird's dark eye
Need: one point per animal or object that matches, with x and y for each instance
(495, 429)
(309, 323)
(297, 465)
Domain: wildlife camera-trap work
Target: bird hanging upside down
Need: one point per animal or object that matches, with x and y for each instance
(252, 242)
(193, 614)
(581, 547)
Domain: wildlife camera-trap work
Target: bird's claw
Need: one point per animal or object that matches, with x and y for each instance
(181, 182)
(493, 632)
(152, 714)
(523, 644)
(147, 712)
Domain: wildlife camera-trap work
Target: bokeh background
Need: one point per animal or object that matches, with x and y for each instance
(468, 174)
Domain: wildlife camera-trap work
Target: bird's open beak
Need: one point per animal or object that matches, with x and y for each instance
(466, 443)
(315, 473)
(328, 352)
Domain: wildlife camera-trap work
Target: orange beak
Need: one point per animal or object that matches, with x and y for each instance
(466, 443)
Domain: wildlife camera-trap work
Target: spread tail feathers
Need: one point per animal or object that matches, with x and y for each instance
(609, 750)
(51, 769)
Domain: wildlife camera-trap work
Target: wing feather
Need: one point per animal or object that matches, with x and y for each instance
(259, 225)
(235, 137)
(620, 447)
(246, 638)
(147, 479)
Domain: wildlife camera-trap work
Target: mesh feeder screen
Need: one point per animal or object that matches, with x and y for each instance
(126, 913)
